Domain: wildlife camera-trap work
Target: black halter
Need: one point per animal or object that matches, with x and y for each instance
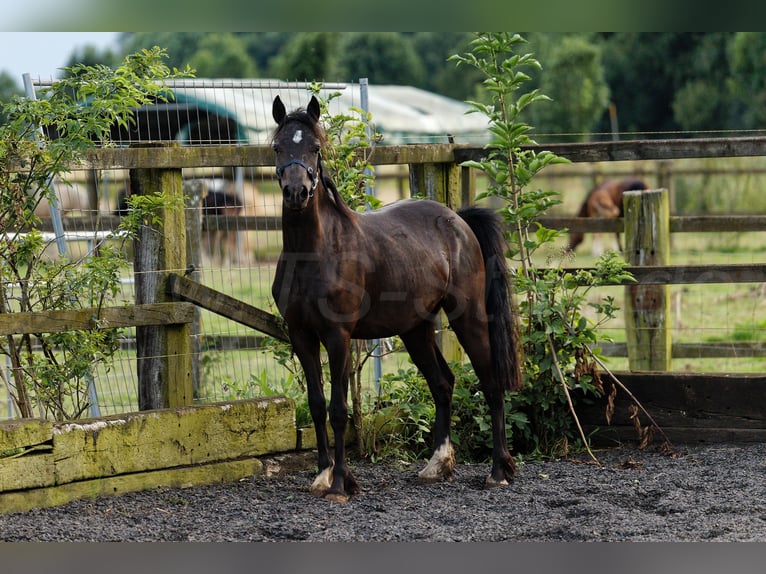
(313, 176)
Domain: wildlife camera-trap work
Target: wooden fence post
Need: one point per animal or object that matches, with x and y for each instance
(437, 181)
(440, 182)
(163, 352)
(647, 307)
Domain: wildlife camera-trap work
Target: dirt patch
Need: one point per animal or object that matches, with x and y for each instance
(711, 492)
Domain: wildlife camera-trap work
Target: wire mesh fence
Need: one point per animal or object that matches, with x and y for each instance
(236, 250)
(239, 241)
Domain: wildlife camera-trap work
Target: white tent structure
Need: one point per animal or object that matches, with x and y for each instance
(402, 114)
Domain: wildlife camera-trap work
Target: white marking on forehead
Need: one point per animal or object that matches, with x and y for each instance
(298, 136)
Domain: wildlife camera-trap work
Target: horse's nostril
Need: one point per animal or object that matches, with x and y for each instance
(304, 194)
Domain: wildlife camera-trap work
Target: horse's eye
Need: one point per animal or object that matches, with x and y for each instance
(276, 149)
(317, 149)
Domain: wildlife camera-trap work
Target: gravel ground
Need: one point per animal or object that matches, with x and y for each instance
(704, 493)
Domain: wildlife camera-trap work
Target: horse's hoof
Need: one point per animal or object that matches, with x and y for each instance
(492, 483)
(440, 467)
(336, 497)
(317, 491)
(430, 479)
(322, 482)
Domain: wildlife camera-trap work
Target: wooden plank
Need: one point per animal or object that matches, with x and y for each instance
(24, 433)
(696, 274)
(678, 224)
(689, 274)
(694, 406)
(181, 477)
(616, 435)
(262, 155)
(218, 156)
(640, 149)
(166, 438)
(226, 306)
(30, 471)
(172, 313)
(731, 349)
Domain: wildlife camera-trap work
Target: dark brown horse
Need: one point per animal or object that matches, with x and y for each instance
(605, 200)
(344, 275)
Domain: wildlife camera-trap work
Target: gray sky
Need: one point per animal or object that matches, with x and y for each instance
(42, 53)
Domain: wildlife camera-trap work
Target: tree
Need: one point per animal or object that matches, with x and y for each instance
(223, 55)
(306, 57)
(382, 57)
(574, 79)
(8, 89)
(179, 46)
(644, 71)
(90, 55)
(434, 48)
(263, 47)
(748, 75)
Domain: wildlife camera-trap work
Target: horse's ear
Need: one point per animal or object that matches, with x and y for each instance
(313, 109)
(278, 110)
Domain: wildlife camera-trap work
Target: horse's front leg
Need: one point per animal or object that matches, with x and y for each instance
(343, 482)
(306, 347)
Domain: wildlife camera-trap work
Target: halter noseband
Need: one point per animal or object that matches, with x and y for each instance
(314, 178)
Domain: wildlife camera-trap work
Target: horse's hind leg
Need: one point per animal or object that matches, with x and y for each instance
(470, 327)
(422, 347)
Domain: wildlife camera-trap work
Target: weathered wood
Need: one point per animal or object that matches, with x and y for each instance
(639, 149)
(23, 433)
(698, 274)
(730, 349)
(437, 181)
(243, 156)
(116, 454)
(226, 306)
(688, 407)
(180, 477)
(163, 353)
(93, 318)
(647, 307)
(34, 470)
(166, 438)
(678, 224)
(262, 155)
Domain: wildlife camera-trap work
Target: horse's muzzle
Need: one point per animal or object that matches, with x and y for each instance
(296, 197)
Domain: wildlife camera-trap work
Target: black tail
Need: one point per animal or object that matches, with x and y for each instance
(503, 319)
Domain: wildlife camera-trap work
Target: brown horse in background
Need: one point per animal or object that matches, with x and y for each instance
(605, 200)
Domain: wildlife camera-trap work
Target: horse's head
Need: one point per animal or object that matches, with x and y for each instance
(297, 143)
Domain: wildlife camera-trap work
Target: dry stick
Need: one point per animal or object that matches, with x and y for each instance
(631, 395)
(569, 399)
